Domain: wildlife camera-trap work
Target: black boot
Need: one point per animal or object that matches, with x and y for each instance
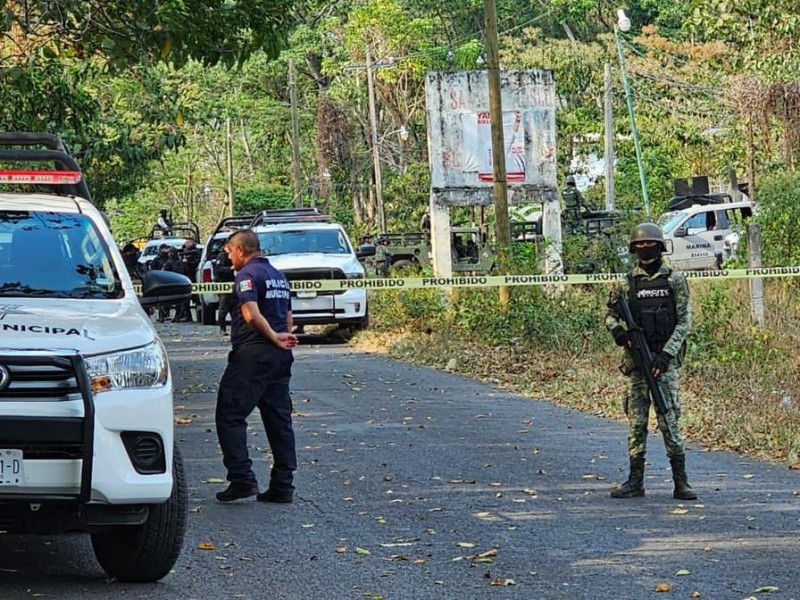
(634, 487)
(683, 491)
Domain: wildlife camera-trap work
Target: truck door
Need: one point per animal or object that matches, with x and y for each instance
(692, 248)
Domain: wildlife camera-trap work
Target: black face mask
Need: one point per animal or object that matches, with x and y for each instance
(649, 255)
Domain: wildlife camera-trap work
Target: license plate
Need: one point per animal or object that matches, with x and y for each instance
(305, 295)
(12, 471)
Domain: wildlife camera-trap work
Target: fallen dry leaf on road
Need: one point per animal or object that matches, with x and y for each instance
(767, 589)
(465, 545)
(663, 587)
(683, 572)
(206, 546)
(680, 511)
(183, 420)
(214, 480)
(362, 552)
(502, 582)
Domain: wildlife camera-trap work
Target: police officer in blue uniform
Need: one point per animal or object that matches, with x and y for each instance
(258, 373)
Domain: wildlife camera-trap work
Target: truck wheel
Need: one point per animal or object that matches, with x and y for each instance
(404, 267)
(361, 325)
(147, 552)
(209, 314)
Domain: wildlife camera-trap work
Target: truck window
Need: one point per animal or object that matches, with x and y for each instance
(53, 255)
(325, 241)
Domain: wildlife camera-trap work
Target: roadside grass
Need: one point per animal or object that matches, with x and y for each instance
(740, 389)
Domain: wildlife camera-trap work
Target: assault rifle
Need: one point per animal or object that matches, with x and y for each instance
(642, 356)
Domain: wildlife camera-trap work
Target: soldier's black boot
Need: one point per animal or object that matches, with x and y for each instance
(683, 491)
(634, 487)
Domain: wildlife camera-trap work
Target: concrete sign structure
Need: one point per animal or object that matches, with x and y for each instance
(460, 149)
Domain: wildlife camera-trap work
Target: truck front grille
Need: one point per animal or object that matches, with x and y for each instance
(37, 382)
(312, 274)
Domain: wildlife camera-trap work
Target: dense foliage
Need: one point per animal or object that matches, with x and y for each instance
(145, 92)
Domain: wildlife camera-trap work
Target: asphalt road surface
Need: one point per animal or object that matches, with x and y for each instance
(417, 484)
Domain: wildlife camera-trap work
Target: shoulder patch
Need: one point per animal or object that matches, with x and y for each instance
(246, 285)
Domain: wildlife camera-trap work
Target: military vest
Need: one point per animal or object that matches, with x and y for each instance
(571, 197)
(652, 304)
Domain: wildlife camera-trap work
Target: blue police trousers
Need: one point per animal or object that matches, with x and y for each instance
(257, 375)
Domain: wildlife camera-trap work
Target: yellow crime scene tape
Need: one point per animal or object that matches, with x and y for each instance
(327, 285)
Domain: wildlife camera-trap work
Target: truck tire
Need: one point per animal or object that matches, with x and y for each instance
(404, 267)
(147, 552)
(208, 314)
(361, 325)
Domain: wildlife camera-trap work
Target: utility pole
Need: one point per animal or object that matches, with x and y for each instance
(376, 159)
(229, 161)
(296, 173)
(609, 152)
(503, 228)
(634, 129)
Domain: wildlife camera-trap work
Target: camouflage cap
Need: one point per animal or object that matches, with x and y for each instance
(571, 179)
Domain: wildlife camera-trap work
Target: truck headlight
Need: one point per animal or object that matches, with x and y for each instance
(144, 367)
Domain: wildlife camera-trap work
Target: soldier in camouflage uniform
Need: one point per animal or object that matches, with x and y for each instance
(574, 202)
(659, 302)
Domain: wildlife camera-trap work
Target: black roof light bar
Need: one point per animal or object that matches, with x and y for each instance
(290, 215)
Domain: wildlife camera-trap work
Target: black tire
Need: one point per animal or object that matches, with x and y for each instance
(362, 325)
(208, 314)
(404, 267)
(147, 552)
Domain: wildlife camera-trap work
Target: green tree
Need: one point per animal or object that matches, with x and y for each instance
(134, 31)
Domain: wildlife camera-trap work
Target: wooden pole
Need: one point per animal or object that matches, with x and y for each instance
(376, 159)
(297, 176)
(609, 127)
(503, 228)
(229, 161)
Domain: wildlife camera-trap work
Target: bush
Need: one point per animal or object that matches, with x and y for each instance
(252, 200)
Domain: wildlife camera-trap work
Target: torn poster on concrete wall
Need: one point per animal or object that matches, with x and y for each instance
(477, 145)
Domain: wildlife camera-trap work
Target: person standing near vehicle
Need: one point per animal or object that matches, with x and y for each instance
(258, 373)
(659, 303)
(574, 204)
(223, 272)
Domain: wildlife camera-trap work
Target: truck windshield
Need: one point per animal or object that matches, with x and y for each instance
(54, 255)
(303, 241)
(670, 220)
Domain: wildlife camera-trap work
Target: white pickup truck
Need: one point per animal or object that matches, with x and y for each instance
(86, 417)
(304, 244)
(704, 236)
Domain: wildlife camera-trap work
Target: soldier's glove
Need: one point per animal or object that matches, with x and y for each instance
(620, 336)
(661, 361)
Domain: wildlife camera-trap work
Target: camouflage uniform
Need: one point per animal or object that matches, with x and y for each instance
(572, 218)
(637, 402)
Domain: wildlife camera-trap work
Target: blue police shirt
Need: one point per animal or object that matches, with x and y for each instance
(260, 282)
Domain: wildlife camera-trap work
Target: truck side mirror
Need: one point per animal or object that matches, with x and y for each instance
(365, 250)
(681, 232)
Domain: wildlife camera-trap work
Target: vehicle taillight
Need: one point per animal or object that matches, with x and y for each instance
(40, 177)
(207, 275)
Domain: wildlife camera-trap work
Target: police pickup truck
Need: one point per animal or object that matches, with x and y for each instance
(305, 244)
(86, 418)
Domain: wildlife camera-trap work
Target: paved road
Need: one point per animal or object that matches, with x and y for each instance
(418, 484)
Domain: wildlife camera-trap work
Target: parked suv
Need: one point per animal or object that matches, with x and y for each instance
(208, 303)
(86, 419)
(305, 244)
